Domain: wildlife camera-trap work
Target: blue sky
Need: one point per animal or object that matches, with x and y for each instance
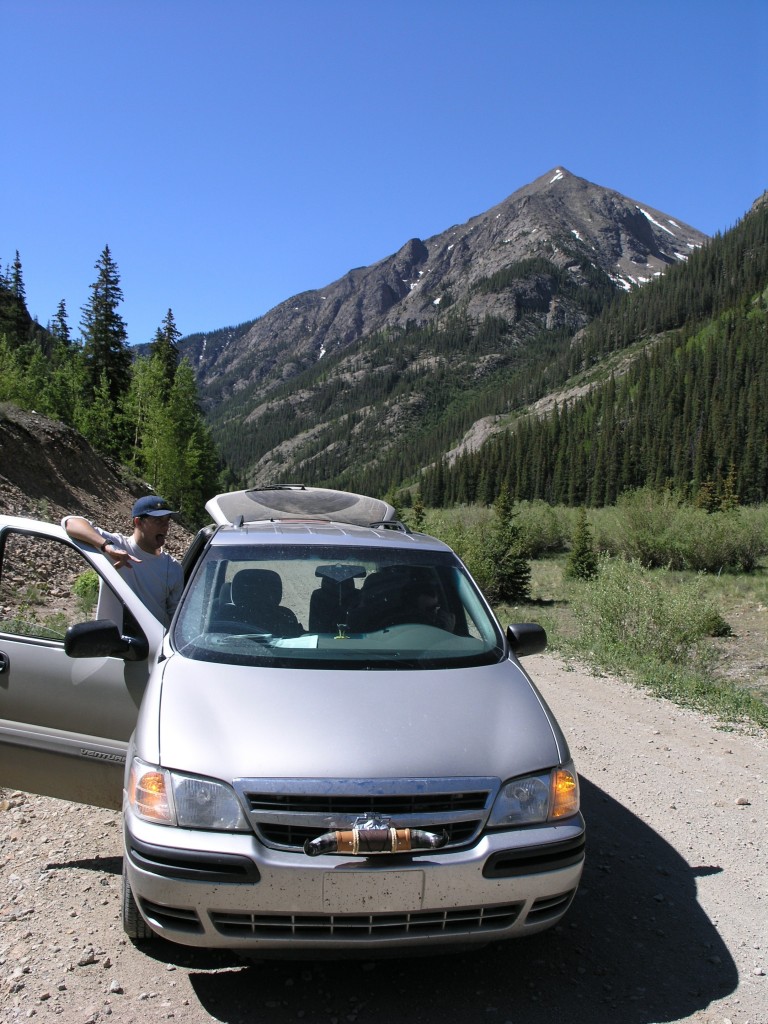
(233, 153)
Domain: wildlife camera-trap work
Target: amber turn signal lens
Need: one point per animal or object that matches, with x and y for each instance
(565, 786)
(149, 796)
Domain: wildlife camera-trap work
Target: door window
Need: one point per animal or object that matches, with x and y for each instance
(45, 587)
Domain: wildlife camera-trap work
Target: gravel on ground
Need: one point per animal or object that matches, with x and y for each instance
(670, 923)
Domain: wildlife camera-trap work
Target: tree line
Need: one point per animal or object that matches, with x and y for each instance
(142, 411)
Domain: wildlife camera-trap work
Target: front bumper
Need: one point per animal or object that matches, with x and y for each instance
(230, 891)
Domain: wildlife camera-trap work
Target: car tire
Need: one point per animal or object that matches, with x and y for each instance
(134, 925)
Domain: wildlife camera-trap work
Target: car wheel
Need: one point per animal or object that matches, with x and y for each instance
(134, 925)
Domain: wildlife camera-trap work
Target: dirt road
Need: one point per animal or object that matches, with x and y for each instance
(670, 924)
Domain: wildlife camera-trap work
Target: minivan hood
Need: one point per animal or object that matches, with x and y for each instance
(229, 722)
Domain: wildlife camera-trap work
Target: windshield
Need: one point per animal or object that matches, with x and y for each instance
(326, 607)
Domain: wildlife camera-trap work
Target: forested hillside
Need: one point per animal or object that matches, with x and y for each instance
(688, 411)
(141, 410)
(383, 371)
(666, 386)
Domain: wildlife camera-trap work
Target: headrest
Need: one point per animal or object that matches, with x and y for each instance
(256, 586)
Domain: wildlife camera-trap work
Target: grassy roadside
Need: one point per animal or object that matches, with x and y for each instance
(698, 640)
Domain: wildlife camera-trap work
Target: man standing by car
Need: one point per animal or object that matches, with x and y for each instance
(154, 575)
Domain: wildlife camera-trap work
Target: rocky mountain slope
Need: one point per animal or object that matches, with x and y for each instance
(478, 304)
(559, 217)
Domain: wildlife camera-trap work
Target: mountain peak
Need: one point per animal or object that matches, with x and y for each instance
(564, 220)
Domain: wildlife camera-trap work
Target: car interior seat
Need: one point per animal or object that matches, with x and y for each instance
(255, 599)
(381, 598)
(331, 604)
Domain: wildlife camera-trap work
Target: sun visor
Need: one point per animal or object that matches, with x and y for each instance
(298, 503)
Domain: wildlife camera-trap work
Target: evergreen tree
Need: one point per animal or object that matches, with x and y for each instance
(706, 497)
(508, 573)
(419, 516)
(104, 331)
(582, 559)
(193, 480)
(12, 371)
(165, 349)
(143, 405)
(59, 326)
(729, 499)
(15, 322)
(100, 422)
(66, 393)
(17, 282)
(172, 445)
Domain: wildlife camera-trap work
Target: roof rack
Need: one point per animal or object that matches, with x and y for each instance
(390, 524)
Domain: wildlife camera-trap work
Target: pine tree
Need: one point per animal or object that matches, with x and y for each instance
(419, 516)
(99, 421)
(191, 479)
(11, 371)
(729, 499)
(142, 404)
(582, 559)
(59, 327)
(165, 349)
(17, 282)
(104, 330)
(173, 448)
(508, 572)
(15, 321)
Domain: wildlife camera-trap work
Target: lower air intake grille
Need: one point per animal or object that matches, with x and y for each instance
(362, 926)
(176, 919)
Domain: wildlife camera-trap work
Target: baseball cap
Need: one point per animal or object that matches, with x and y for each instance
(152, 505)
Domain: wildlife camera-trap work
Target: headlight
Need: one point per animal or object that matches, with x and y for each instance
(535, 799)
(187, 801)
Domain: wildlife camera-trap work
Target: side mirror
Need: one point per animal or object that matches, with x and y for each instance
(101, 638)
(526, 638)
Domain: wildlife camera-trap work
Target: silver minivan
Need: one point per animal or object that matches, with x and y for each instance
(333, 748)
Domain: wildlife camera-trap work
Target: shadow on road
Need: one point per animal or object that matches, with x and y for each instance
(635, 947)
(102, 865)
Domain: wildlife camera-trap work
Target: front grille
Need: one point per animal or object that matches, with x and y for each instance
(285, 813)
(391, 803)
(426, 923)
(293, 837)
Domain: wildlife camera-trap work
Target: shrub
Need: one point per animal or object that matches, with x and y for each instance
(629, 614)
(731, 541)
(86, 589)
(542, 529)
(637, 529)
(660, 530)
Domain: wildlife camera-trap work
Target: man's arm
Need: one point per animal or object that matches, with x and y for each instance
(80, 529)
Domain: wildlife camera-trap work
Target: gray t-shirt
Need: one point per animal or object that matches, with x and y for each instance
(157, 580)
